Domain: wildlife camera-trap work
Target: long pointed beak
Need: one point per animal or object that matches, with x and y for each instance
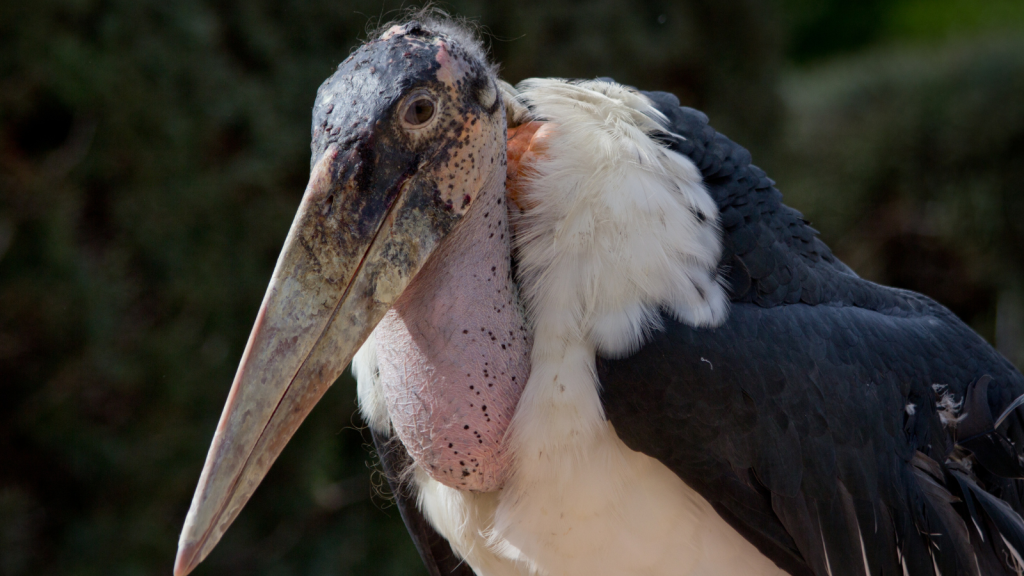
(348, 256)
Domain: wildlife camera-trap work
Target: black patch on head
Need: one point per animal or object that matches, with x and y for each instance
(416, 29)
(362, 95)
(358, 106)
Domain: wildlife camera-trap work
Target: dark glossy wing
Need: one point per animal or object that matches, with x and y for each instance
(437, 555)
(813, 419)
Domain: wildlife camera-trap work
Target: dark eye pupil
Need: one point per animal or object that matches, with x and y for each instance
(419, 112)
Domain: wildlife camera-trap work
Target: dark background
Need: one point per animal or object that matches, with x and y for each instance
(152, 154)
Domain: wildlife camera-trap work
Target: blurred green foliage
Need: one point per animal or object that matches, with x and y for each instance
(819, 29)
(152, 155)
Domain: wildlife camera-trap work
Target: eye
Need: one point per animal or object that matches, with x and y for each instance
(418, 111)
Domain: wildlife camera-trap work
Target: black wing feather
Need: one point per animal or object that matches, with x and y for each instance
(809, 418)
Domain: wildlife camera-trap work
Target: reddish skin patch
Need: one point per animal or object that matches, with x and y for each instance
(526, 144)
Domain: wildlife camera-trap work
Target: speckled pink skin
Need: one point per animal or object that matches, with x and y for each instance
(454, 353)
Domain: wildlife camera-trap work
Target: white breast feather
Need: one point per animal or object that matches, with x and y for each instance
(614, 235)
(372, 405)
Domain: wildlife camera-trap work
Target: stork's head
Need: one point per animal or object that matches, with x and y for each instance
(406, 134)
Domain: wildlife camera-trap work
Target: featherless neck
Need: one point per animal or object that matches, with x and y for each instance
(454, 351)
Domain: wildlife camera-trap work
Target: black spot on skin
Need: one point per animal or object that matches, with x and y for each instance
(466, 427)
(484, 407)
(450, 445)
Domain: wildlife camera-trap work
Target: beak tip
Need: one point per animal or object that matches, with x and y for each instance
(186, 560)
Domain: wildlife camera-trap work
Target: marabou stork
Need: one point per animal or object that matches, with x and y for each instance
(592, 340)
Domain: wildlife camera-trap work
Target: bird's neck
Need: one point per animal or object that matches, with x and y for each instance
(454, 351)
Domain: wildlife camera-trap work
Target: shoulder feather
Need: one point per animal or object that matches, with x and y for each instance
(619, 226)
